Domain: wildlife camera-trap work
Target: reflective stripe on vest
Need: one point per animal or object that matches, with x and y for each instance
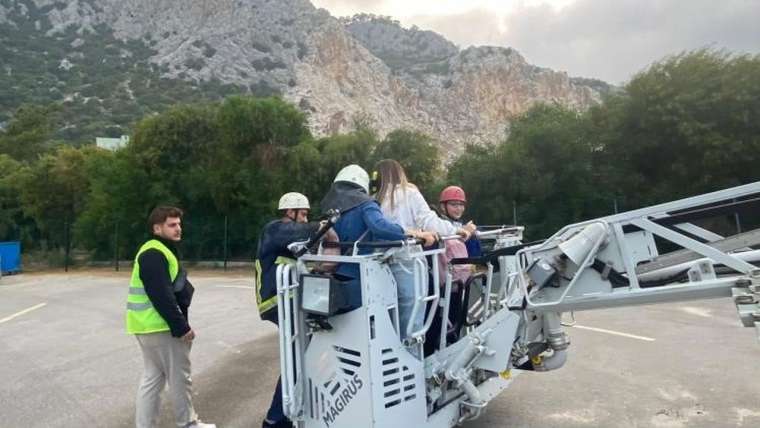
(271, 302)
(142, 317)
(139, 306)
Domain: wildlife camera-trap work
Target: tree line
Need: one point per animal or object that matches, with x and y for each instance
(225, 163)
(686, 125)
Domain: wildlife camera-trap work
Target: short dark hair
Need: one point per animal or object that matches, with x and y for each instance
(161, 213)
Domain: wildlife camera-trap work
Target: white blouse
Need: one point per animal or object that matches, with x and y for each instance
(412, 212)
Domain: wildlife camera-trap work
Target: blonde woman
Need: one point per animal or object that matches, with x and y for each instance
(402, 203)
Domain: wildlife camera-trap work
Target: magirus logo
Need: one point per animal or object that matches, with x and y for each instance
(341, 402)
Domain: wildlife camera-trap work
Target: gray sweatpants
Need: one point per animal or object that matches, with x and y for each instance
(166, 360)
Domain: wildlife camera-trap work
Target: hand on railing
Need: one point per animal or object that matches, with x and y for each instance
(423, 237)
(467, 230)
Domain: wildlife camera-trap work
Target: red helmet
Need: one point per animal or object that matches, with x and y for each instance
(452, 193)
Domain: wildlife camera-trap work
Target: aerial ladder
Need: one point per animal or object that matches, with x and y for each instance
(352, 369)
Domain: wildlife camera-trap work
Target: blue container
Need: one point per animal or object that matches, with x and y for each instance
(10, 257)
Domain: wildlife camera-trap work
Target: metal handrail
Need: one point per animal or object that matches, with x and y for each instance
(445, 315)
(487, 294)
(419, 301)
(496, 232)
(291, 336)
(284, 349)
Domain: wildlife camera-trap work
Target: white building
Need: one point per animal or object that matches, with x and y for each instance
(112, 144)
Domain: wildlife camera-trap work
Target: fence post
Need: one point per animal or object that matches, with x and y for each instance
(225, 242)
(116, 244)
(514, 212)
(67, 245)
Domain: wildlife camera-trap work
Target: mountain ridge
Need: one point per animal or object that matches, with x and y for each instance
(133, 57)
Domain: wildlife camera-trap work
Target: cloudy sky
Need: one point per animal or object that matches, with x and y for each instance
(605, 39)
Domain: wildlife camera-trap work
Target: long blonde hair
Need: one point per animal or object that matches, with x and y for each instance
(392, 176)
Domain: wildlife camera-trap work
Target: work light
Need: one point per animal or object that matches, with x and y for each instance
(321, 295)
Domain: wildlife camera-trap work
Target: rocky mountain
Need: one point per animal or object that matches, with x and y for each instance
(112, 61)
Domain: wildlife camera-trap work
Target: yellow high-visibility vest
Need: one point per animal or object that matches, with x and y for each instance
(142, 317)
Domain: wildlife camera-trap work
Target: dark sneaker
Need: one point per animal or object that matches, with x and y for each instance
(281, 424)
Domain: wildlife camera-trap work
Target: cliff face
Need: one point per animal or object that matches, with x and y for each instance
(467, 96)
(336, 70)
(242, 42)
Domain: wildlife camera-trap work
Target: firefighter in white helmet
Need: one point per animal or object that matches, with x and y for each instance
(292, 226)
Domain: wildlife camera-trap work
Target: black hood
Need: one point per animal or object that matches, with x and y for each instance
(343, 196)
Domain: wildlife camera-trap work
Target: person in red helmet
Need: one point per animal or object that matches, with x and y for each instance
(453, 202)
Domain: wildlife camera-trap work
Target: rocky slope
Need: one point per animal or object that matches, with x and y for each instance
(335, 70)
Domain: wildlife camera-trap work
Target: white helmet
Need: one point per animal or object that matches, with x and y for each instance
(354, 174)
(293, 201)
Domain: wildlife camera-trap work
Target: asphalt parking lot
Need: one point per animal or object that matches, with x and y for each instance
(65, 361)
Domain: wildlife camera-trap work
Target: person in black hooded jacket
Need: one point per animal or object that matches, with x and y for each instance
(361, 219)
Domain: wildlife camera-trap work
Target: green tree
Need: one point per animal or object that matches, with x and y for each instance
(544, 167)
(261, 127)
(479, 170)
(28, 134)
(113, 220)
(686, 125)
(252, 167)
(416, 152)
(174, 148)
(223, 163)
(316, 162)
(53, 193)
(10, 206)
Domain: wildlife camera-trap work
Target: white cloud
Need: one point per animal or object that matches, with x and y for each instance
(613, 40)
(605, 39)
(401, 9)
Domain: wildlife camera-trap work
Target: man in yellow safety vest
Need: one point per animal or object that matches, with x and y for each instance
(157, 314)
